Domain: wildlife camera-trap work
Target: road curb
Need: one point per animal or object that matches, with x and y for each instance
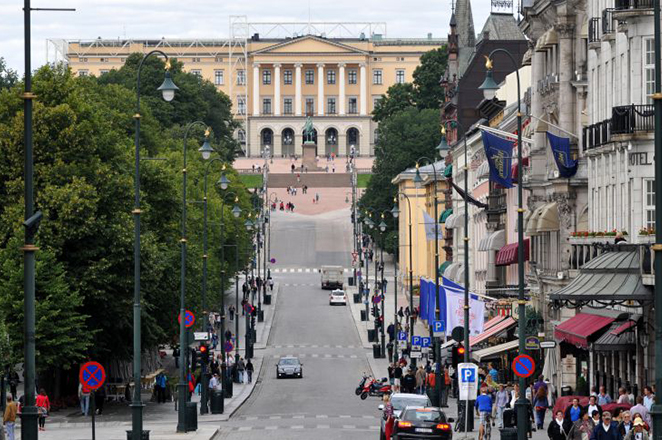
(268, 323)
(227, 415)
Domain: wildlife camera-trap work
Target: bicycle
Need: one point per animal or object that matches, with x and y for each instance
(486, 424)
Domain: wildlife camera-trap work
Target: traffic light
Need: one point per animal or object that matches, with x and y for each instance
(458, 354)
(204, 353)
(194, 359)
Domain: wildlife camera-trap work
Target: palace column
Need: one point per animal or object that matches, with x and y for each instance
(297, 90)
(256, 89)
(277, 89)
(341, 89)
(363, 95)
(320, 89)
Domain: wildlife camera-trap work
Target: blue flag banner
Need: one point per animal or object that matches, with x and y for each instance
(499, 154)
(561, 150)
(423, 299)
(454, 287)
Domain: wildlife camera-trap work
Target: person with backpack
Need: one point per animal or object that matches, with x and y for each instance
(249, 371)
(84, 397)
(160, 383)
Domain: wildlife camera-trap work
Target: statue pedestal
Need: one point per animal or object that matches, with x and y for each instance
(309, 156)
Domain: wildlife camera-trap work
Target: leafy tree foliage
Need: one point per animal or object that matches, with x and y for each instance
(428, 94)
(8, 77)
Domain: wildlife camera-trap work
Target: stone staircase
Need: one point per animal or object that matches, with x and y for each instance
(312, 180)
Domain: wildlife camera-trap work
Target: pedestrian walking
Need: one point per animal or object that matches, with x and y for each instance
(160, 384)
(401, 313)
(14, 380)
(389, 416)
(409, 382)
(271, 284)
(638, 432)
(84, 398)
(241, 368)
(397, 376)
(582, 428)
(540, 404)
(43, 408)
(249, 370)
(420, 380)
(100, 399)
(559, 428)
(607, 429)
(9, 417)
(317, 197)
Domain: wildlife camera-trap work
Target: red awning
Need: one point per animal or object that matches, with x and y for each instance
(580, 327)
(623, 327)
(508, 254)
(492, 331)
(494, 321)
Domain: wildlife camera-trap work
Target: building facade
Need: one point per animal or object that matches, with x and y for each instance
(275, 83)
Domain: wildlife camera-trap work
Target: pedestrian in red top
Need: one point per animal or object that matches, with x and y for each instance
(43, 407)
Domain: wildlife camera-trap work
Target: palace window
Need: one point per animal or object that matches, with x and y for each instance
(241, 105)
(266, 77)
(330, 76)
(219, 77)
(241, 77)
(331, 106)
(83, 73)
(103, 60)
(310, 77)
(103, 72)
(197, 72)
(400, 76)
(287, 77)
(266, 106)
(649, 69)
(195, 60)
(649, 207)
(310, 106)
(287, 106)
(353, 106)
(351, 76)
(377, 77)
(241, 136)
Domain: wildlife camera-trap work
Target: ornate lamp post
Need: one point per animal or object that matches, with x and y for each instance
(395, 212)
(167, 89)
(489, 88)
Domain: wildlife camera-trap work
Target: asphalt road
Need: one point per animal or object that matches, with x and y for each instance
(322, 404)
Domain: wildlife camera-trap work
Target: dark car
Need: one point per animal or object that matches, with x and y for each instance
(289, 366)
(422, 423)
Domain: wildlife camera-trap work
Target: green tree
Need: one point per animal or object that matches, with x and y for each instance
(428, 93)
(398, 97)
(8, 77)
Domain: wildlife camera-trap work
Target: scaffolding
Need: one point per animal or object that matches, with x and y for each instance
(238, 62)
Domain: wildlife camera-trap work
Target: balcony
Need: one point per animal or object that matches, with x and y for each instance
(609, 24)
(629, 5)
(630, 119)
(496, 206)
(585, 249)
(597, 135)
(594, 31)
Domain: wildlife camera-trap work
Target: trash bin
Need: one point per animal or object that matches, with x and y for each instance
(350, 281)
(249, 351)
(267, 299)
(364, 316)
(260, 316)
(509, 418)
(372, 335)
(217, 402)
(566, 391)
(376, 351)
(508, 433)
(357, 298)
(227, 387)
(145, 436)
(191, 416)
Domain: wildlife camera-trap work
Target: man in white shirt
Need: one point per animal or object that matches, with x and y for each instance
(214, 383)
(649, 398)
(593, 406)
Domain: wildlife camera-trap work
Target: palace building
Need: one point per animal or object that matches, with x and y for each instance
(275, 82)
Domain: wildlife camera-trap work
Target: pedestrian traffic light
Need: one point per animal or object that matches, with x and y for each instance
(458, 354)
(194, 359)
(204, 353)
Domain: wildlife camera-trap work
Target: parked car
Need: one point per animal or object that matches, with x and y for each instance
(289, 366)
(337, 297)
(422, 423)
(400, 401)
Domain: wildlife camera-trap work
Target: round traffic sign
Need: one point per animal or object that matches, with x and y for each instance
(248, 308)
(92, 375)
(189, 319)
(377, 299)
(273, 261)
(523, 365)
(228, 346)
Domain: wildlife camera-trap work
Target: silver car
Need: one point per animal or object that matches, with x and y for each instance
(289, 366)
(400, 401)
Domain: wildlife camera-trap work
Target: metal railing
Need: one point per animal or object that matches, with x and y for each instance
(608, 22)
(594, 30)
(633, 4)
(597, 134)
(627, 119)
(582, 253)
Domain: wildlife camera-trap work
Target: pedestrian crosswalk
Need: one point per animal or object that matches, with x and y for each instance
(301, 270)
(306, 417)
(313, 346)
(302, 427)
(318, 356)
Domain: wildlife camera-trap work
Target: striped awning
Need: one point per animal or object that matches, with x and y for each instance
(493, 242)
(508, 254)
(443, 266)
(451, 270)
(494, 351)
(444, 215)
(493, 331)
(483, 171)
(455, 220)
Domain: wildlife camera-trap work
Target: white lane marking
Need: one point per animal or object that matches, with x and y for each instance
(307, 270)
(315, 355)
(314, 346)
(323, 427)
(353, 356)
(348, 427)
(327, 355)
(244, 428)
(321, 416)
(292, 270)
(251, 418)
(300, 270)
(275, 417)
(270, 428)
(298, 417)
(296, 427)
(345, 417)
(368, 417)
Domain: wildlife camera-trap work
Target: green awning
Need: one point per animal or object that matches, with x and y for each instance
(448, 171)
(443, 267)
(444, 215)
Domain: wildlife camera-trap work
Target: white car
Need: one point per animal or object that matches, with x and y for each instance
(337, 297)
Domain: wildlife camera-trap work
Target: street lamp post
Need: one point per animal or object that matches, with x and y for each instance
(382, 228)
(395, 212)
(167, 89)
(489, 88)
(181, 421)
(439, 383)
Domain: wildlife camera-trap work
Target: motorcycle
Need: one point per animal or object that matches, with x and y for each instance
(359, 389)
(376, 388)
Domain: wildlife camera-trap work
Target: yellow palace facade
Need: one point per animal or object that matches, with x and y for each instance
(275, 83)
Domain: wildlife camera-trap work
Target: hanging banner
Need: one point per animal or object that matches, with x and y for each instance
(455, 312)
(499, 154)
(429, 227)
(561, 151)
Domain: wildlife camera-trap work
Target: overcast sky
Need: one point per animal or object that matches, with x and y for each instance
(206, 18)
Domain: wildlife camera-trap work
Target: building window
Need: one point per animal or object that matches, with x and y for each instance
(266, 77)
(241, 105)
(330, 76)
(351, 76)
(649, 69)
(219, 59)
(377, 77)
(195, 60)
(310, 106)
(103, 60)
(83, 60)
(376, 135)
(353, 106)
(310, 77)
(287, 77)
(241, 136)
(103, 72)
(241, 77)
(649, 207)
(287, 106)
(400, 76)
(375, 101)
(197, 73)
(219, 77)
(331, 106)
(83, 73)
(266, 106)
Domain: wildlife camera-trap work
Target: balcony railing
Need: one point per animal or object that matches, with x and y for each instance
(496, 202)
(621, 5)
(584, 250)
(597, 134)
(628, 119)
(608, 22)
(594, 30)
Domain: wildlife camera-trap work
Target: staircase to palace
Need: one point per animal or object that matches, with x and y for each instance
(312, 180)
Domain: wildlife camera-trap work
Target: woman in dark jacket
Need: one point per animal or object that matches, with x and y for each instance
(559, 428)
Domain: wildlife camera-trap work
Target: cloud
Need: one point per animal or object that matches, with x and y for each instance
(207, 19)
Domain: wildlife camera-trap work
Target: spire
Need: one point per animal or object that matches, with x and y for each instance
(465, 24)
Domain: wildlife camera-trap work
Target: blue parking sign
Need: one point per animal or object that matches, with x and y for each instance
(438, 328)
(402, 336)
(416, 340)
(426, 342)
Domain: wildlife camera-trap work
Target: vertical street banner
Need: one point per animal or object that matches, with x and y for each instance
(455, 312)
(499, 153)
(429, 227)
(561, 151)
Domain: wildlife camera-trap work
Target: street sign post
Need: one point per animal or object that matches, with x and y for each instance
(416, 341)
(189, 319)
(426, 342)
(438, 328)
(402, 336)
(467, 374)
(532, 343)
(377, 299)
(228, 347)
(523, 365)
(200, 336)
(548, 344)
(92, 375)
(416, 355)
